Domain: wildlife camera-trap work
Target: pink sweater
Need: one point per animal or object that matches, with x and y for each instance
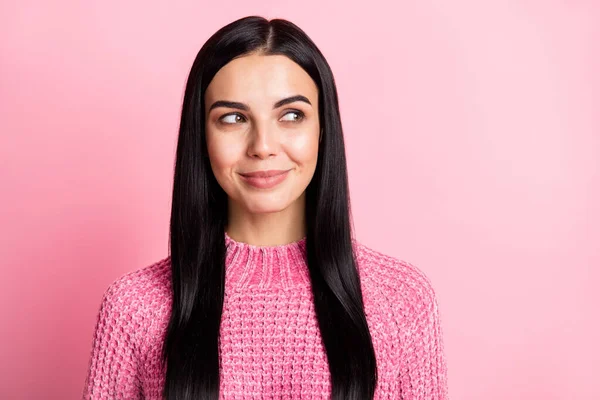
(270, 344)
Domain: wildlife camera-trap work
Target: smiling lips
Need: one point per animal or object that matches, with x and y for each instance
(265, 179)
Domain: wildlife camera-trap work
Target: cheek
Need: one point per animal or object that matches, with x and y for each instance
(223, 155)
(304, 148)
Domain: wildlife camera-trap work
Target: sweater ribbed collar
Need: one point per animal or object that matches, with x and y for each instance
(249, 266)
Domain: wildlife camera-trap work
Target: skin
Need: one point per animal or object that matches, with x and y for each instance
(263, 138)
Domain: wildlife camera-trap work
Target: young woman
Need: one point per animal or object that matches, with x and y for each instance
(265, 293)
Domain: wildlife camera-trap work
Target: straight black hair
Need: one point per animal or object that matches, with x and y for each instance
(199, 217)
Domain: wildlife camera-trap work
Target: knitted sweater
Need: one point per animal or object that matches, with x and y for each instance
(270, 344)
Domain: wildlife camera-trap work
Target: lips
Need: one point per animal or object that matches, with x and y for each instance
(265, 179)
(264, 174)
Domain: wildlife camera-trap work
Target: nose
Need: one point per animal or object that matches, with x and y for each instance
(264, 141)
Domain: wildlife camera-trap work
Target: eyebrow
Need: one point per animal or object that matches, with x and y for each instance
(244, 107)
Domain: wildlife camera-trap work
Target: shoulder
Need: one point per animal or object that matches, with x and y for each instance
(140, 293)
(397, 280)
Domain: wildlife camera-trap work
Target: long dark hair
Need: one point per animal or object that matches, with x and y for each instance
(199, 216)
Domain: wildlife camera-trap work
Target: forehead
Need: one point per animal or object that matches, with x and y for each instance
(260, 78)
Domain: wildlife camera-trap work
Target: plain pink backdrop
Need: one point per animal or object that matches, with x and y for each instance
(473, 142)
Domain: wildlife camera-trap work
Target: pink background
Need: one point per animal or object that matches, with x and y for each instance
(473, 139)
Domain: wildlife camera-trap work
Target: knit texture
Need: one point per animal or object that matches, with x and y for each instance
(270, 344)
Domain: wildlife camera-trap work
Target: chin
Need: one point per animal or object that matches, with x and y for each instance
(266, 206)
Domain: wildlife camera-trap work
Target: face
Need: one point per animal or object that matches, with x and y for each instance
(262, 114)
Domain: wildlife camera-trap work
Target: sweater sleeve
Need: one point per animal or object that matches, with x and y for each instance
(113, 368)
(423, 366)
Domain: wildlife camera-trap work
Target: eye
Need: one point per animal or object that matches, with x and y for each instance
(299, 116)
(233, 118)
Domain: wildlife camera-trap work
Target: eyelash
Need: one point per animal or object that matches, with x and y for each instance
(300, 116)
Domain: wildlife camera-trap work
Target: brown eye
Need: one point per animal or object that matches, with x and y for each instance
(233, 118)
(299, 115)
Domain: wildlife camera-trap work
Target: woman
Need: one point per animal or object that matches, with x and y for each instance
(265, 293)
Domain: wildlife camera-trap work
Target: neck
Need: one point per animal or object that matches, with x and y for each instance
(269, 227)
